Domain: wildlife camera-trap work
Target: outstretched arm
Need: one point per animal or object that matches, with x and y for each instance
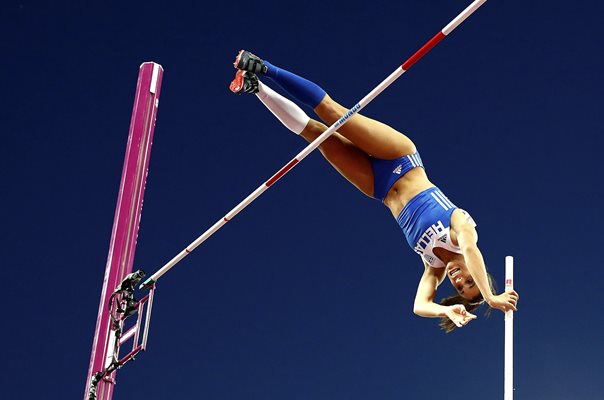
(424, 304)
(467, 239)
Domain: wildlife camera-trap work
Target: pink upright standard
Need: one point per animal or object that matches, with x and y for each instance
(125, 228)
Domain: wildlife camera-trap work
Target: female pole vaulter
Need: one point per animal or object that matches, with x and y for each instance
(384, 164)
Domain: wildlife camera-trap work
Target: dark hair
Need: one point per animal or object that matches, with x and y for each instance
(446, 324)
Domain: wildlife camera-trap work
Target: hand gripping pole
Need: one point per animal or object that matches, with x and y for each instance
(317, 142)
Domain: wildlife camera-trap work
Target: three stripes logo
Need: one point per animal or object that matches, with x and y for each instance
(415, 160)
(442, 200)
(443, 239)
(398, 169)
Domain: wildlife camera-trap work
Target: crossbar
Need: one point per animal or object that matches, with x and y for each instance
(317, 142)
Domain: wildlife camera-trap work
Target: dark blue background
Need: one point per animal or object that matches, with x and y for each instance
(308, 293)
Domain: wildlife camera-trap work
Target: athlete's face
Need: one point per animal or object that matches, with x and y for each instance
(460, 278)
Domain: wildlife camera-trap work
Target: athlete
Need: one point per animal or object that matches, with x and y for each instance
(384, 164)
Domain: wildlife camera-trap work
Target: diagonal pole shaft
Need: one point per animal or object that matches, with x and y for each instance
(317, 142)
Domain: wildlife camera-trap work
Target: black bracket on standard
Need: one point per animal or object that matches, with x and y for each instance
(122, 305)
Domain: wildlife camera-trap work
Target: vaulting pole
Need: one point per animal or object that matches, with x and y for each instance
(317, 142)
(508, 380)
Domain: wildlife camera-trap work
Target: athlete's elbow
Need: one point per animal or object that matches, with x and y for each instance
(419, 308)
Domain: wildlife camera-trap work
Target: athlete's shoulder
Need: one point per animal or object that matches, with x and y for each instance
(462, 223)
(461, 219)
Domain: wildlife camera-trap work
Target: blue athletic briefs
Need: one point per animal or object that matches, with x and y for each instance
(386, 172)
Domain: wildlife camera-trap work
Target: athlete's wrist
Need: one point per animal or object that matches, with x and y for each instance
(488, 298)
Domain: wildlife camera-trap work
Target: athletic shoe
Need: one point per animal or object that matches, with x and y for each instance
(244, 82)
(249, 62)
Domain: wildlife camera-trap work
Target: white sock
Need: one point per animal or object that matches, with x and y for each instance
(286, 111)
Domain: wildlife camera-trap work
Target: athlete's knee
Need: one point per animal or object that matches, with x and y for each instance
(313, 129)
(328, 106)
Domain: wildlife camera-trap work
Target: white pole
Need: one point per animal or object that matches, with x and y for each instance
(508, 381)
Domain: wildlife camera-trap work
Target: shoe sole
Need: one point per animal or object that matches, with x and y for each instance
(238, 59)
(237, 84)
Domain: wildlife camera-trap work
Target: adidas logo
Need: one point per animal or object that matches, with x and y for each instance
(443, 238)
(398, 169)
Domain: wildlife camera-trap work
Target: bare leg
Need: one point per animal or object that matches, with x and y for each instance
(350, 161)
(371, 136)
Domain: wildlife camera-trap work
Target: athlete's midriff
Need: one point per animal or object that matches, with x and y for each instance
(408, 186)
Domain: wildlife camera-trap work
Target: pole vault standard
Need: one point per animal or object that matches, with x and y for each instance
(104, 358)
(508, 377)
(317, 142)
